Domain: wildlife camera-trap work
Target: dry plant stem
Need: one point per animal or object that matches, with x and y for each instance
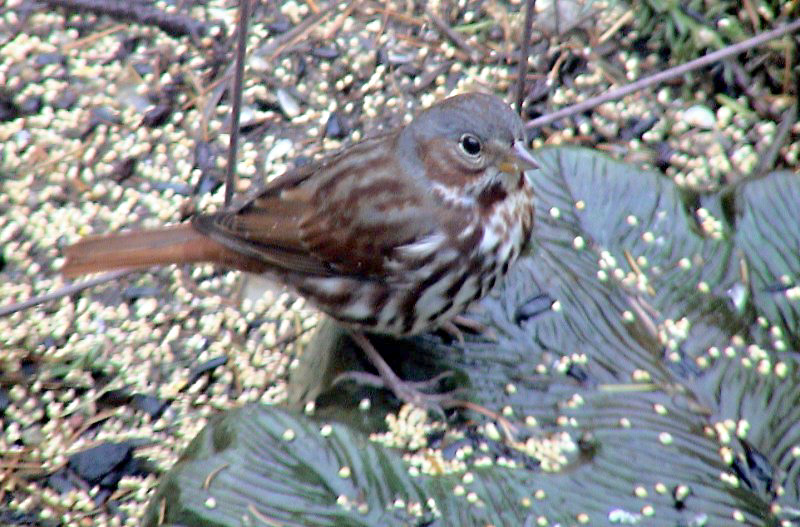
(313, 6)
(751, 12)
(94, 37)
(67, 290)
(212, 101)
(767, 161)
(523, 53)
(454, 36)
(236, 93)
(272, 522)
(389, 13)
(610, 32)
(788, 52)
(508, 427)
(339, 21)
(274, 48)
(665, 75)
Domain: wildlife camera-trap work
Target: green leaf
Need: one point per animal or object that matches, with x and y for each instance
(643, 360)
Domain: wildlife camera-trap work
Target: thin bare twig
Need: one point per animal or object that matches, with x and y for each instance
(671, 73)
(454, 36)
(388, 13)
(236, 97)
(339, 21)
(67, 290)
(278, 44)
(93, 37)
(767, 161)
(621, 21)
(523, 53)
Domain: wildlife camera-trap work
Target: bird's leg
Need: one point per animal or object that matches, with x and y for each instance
(472, 325)
(406, 391)
(376, 381)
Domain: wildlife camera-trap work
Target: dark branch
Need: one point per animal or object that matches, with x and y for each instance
(523, 53)
(236, 97)
(663, 76)
(172, 23)
(67, 290)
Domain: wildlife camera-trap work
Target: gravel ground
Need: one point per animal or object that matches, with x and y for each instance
(107, 124)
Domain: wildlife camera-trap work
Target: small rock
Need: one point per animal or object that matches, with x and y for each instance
(136, 292)
(206, 367)
(60, 482)
(259, 64)
(157, 115)
(396, 57)
(334, 128)
(123, 169)
(279, 150)
(204, 156)
(247, 116)
(53, 57)
(496, 33)
(209, 182)
(103, 493)
(664, 154)
(381, 56)
(637, 127)
(279, 24)
(325, 52)
(23, 137)
(65, 100)
(126, 47)
(149, 404)
(288, 104)
(5, 401)
(182, 189)
(114, 398)
(143, 68)
(95, 464)
(100, 115)
(32, 436)
(8, 110)
(300, 65)
(103, 115)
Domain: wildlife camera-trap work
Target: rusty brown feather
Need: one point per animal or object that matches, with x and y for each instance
(396, 234)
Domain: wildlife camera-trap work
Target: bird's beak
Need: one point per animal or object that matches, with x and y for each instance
(518, 159)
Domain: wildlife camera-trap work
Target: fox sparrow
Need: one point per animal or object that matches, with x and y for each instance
(396, 234)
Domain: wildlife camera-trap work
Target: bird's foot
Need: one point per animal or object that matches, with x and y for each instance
(407, 391)
(454, 327)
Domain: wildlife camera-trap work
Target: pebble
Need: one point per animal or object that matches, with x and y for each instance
(96, 463)
(335, 128)
(288, 104)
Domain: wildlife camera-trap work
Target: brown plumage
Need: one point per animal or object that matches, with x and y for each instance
(396, 234)
(130, 250)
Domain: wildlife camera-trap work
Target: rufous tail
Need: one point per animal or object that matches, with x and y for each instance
(139, 249)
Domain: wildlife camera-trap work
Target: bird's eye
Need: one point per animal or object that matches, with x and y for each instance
(470, 144)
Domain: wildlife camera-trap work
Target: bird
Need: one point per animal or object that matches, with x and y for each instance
(397, 234)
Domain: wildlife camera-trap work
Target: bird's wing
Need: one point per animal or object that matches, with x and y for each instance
(334, 217)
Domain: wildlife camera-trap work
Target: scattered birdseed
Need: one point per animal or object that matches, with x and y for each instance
(62, 179)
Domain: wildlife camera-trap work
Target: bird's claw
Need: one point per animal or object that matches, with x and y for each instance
(454, 327)
(411, 392)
